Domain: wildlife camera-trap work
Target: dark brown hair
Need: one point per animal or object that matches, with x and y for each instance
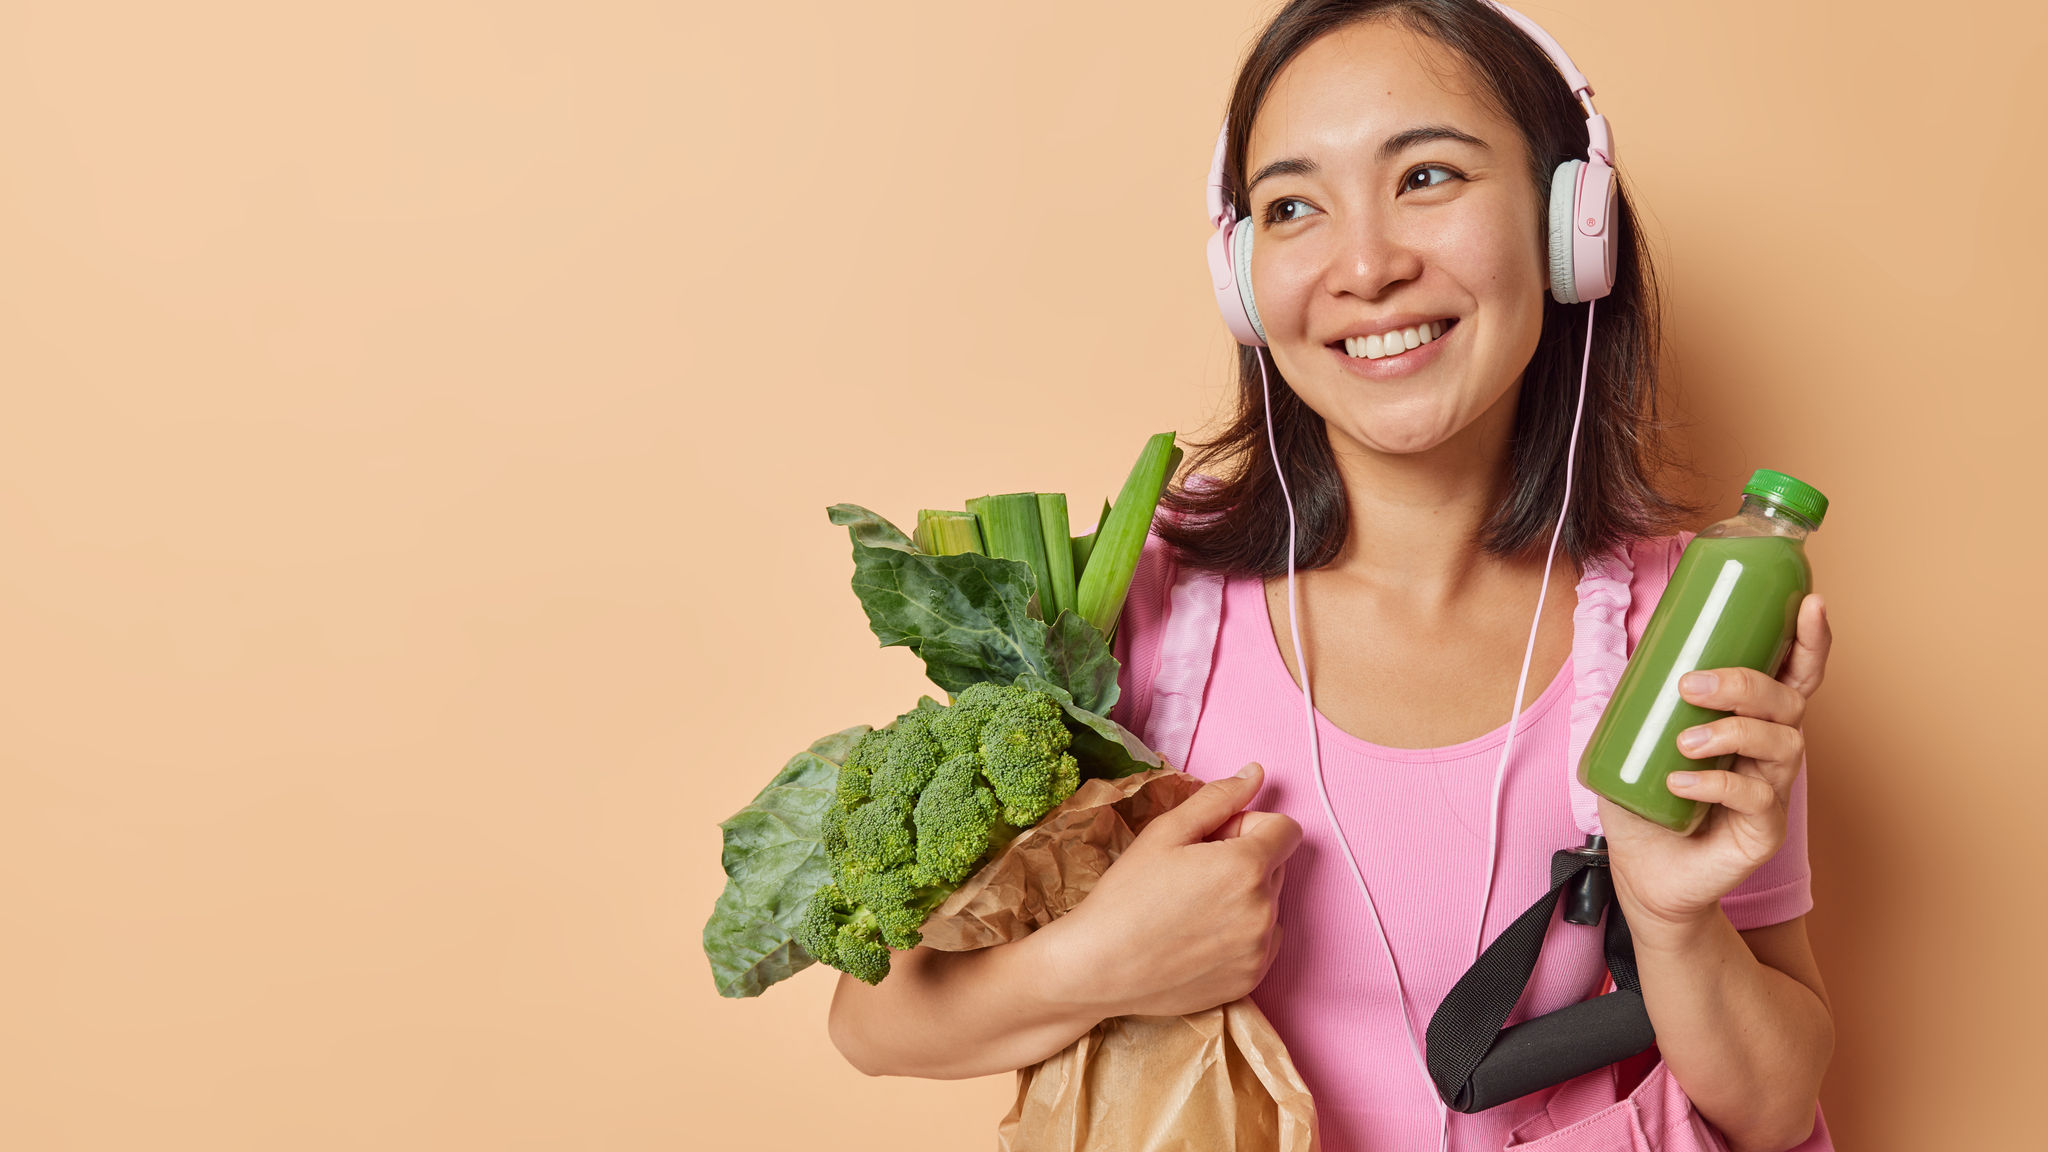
(1238, 524)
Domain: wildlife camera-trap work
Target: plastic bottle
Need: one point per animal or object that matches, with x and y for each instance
(1732, 602)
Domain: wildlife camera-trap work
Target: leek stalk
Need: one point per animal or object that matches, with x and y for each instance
(1059, 554)
(947, 533)
(1106, 576)
(1010, 530)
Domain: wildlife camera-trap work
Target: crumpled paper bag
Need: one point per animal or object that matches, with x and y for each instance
(1207, 1082)
(1219, 1079)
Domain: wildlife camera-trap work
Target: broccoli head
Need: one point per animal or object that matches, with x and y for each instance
(911, 758)
(1022, 738)
(854, 775)
(920, 805)
(956, 817)
(840, 934)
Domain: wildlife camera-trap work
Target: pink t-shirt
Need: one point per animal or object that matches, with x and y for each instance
(1416, 820)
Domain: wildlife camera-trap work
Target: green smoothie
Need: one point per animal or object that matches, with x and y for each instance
(1733, 602)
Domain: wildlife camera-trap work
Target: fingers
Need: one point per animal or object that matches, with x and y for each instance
(1760, 740)
(1807, 664)
(1745, 692)
(1274, 835)
(1749, 795)
(1748, 692)
(1208, 809)
(1777, 749)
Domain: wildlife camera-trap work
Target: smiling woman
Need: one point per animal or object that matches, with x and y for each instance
(1404, 262)
(1416, 232)
(1450, 173)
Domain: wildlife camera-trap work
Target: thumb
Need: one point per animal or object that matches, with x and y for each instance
(1194, 818)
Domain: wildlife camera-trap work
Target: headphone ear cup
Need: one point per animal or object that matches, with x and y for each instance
(1230, 275)
(1241, 257)
(1564, 193)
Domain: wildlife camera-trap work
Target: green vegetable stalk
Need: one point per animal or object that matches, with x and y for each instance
(1084, 545)
(948, 533)
(1121, 537)
(1059, 554)
(1011, 530)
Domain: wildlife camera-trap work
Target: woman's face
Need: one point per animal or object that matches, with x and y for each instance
(1375, 218)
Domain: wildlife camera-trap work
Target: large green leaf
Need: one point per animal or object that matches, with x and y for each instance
(970, 618)
(973, 618)
(1078, 659)
(870, 529)
(774, 860)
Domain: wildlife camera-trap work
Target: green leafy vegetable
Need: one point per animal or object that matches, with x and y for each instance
(968, 617)
(774, 860)
(919, 805)
(848, 849)
(1104, 748)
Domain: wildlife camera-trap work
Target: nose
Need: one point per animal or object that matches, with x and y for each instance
(1369, 255)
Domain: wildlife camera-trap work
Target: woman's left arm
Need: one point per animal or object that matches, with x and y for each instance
(1742, 1019)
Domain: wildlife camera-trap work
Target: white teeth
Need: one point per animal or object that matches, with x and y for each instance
(1381, 345)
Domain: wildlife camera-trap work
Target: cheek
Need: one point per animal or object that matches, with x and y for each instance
(1285, 275)
(1495, 258)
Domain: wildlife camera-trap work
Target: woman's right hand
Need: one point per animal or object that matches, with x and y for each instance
(1180, 923)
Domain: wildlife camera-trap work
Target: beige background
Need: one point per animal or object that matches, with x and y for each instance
(420, 417)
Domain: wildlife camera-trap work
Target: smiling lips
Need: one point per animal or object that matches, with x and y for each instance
(1382, 345)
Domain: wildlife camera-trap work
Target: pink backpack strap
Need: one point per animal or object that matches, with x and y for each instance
(1174, 680)
(1599, 653)
(1187, 645)
(1617, 591)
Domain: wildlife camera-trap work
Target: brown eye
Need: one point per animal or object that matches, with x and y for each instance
(1408, 182)
(1273, 210)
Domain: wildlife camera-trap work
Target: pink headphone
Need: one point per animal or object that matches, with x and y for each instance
(1582, 250)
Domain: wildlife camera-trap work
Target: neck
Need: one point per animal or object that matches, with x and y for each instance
(1415, 518)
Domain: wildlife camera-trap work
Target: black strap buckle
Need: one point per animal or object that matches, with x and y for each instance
(1475, 1063)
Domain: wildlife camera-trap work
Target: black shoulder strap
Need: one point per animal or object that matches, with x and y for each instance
(1476, 1064)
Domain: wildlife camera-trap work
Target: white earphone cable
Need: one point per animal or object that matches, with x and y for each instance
(1315, 758)
(1500, 773)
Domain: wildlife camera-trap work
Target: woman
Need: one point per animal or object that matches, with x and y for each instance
(1425, 497)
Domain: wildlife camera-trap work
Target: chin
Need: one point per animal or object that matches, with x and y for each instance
(1403, 438)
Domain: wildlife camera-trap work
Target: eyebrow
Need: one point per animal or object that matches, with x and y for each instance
(1391, 147)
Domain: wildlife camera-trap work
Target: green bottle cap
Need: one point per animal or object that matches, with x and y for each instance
(1790, 492)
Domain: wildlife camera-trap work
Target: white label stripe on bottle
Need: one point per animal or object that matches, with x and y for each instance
(1688, 660)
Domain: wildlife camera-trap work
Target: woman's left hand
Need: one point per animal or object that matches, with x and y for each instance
(1665, 879)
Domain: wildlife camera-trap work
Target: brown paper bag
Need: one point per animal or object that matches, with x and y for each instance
(1208, 1082)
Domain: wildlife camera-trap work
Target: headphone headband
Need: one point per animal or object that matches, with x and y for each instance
(1599, 137)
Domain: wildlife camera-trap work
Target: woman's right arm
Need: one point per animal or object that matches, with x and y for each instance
(1180, 923)
(951, 1015)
